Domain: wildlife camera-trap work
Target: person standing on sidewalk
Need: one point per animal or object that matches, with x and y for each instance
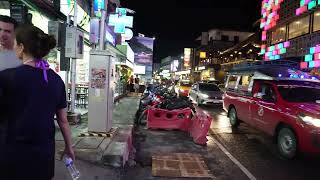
(136, 84)
(8, 58)
(30, 96)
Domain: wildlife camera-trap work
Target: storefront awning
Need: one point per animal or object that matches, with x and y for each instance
(45, 7)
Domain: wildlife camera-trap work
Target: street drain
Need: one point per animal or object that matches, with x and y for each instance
(180, 165)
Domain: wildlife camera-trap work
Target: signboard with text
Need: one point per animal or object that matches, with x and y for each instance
(187, 57)
(98, 5)
(143, 50)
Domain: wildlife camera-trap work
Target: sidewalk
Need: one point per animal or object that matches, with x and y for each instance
(147, 143)
(90, 149)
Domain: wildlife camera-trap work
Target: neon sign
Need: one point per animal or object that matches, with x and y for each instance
(98, 5)
(120, 21)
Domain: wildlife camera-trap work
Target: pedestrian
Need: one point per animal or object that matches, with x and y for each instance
(136, 84)
(131, 83)
(8, 58)
(30, 96)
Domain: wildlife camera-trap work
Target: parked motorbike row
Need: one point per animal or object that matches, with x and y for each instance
(160, 108)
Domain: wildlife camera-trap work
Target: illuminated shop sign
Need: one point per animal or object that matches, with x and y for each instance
(203, 55)
(98, 5)
(120, 21)
(174, 66)
(187, 57)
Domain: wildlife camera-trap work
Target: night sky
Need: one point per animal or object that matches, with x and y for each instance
(177, 23)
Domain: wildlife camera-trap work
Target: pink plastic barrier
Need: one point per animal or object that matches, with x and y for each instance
(200, 126)
(169, 119)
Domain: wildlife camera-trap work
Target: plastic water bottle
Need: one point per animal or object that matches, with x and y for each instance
(75, 174)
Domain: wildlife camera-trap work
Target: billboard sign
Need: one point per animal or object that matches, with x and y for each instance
(187, 57)
(139, 69)
(143, 50)
(203, 55)
(98, 5)
(174, 66)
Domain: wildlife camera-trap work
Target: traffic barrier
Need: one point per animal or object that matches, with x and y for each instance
(200, 125)
(169, 119)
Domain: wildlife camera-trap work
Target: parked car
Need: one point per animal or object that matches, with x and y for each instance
(206, 94)
(280, 101)
(211, 81)
(183, 87)
(222, 87)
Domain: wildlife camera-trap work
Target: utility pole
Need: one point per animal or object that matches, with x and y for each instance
(74, 65)
(102, 28)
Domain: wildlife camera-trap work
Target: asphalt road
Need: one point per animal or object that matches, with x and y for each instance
(255, 153)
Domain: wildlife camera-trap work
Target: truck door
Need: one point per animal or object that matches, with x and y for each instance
(243, 98)
(263, 107)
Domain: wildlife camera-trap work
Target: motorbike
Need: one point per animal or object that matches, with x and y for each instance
(162, 98)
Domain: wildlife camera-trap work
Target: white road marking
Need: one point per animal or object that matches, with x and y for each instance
(233, 159)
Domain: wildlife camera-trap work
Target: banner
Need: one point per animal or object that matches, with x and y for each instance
(143, 50)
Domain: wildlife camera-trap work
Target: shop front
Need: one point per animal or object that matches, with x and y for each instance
(182, 75)
(124, 68)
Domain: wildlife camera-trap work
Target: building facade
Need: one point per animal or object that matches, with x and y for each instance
(291, 31)
(206, 62)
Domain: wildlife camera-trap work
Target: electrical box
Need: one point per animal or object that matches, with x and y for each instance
(101, 91)
(74, 43)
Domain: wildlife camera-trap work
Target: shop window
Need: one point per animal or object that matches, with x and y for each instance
(316, 21)
(224, 38)
(299, 27)
(279, 35)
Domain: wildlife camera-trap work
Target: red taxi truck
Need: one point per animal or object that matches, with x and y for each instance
(279, 100)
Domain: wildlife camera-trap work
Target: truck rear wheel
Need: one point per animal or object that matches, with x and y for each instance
(233, 118)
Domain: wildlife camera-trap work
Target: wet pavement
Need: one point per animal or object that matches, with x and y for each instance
(229, 154)
(154, 142)
(257, 152)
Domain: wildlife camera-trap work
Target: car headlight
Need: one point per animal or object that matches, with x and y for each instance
(204, 95)
(310, 120)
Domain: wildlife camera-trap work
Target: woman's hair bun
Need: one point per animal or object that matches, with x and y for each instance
(35, 41)
(51, 41)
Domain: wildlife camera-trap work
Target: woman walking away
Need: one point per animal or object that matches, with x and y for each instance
(30, 96)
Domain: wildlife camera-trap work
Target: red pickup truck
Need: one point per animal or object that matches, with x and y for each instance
(280, 101)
